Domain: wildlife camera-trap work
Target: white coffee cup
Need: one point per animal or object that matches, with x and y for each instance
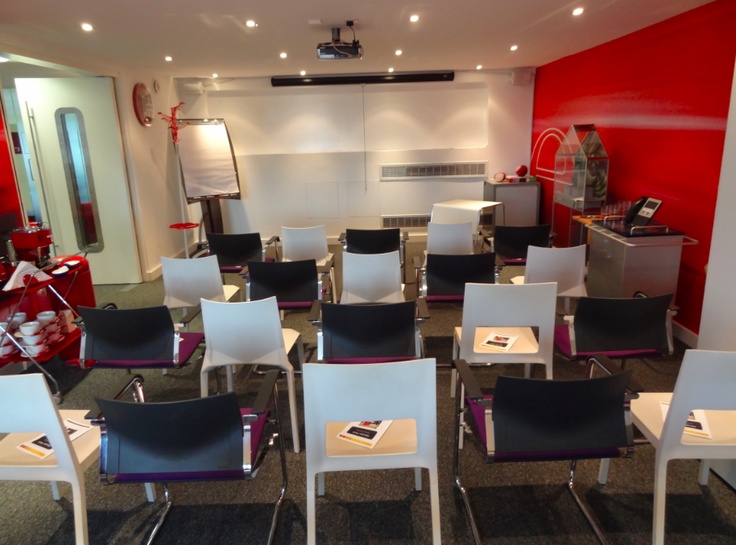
(46, 317)
(29, 340)
(30, 328)
(7, 350)
(17, 319)
(35, 349)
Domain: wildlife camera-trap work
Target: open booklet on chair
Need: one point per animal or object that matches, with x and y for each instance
(365, 433)
(40, 447)
(499, 341)
(696, 422)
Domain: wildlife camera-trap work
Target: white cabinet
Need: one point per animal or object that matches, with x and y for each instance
(520, 201)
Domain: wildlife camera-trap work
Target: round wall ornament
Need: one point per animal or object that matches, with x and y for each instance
(143, 104)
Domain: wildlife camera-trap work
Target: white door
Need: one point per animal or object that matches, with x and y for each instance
(74, 138)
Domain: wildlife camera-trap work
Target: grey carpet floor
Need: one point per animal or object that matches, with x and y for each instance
(516, 504)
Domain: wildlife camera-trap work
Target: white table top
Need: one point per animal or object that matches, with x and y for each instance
(646, 412)
(86, 446)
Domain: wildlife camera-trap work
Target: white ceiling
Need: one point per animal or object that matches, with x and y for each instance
(210, 36)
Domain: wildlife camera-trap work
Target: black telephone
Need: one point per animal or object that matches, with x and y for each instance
(642, 210)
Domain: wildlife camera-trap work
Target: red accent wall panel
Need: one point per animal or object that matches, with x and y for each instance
(659, 99)
(9, 202)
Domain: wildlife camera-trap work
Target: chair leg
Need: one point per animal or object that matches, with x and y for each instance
(162, 517)
(456, 471)
(311, 509)
(434, 499)
(292, 409)
(660, 498)
(603, 470)
(583, 509)
(704, 472)
(79, 501)
(284, 478)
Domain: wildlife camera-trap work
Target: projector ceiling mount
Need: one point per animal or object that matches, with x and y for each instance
(339, 50)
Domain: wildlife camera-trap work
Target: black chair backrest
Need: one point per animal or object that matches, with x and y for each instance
(288, 281)
(608, 324)
(175, 440)
(512, 241)
(372, 241)
(235, 250)
(539, 419)
(128, 334)
(373, 331)
(448, 274)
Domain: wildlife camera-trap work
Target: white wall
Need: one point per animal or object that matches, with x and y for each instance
(312, 155)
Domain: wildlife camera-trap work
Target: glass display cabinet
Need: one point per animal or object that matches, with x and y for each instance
(581, 180)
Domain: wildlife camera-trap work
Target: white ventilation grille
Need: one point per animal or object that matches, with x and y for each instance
(424, 171)
(405, 221)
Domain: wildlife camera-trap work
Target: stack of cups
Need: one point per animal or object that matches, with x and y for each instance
(50, 321)
(9, 327)
(33, 338)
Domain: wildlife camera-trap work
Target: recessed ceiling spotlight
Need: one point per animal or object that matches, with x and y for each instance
(578, 11)
(215, 75)
(514, 47)
(168, 58)
(303, 73)
(87, 27)
(250, 23)
(283, 54)
(479, 67)
(414, 18)
(390, 70)
(399, 52)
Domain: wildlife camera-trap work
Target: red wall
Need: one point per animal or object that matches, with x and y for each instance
(659, 99)
(8, 194)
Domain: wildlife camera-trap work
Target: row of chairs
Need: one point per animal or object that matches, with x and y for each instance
(522, 420)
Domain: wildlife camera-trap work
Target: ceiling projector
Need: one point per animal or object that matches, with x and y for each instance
(337, 49)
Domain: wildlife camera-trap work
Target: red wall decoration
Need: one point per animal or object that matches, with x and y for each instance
(659, 99)
(9, 202)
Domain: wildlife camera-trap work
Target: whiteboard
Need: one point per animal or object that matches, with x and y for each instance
(207, 160)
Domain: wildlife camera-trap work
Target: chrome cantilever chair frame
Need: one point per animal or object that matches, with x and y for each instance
(152, 442)
(531, 420)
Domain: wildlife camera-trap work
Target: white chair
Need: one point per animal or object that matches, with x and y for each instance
(705, 382)
(566, 266)
(450, 238)
(371, 278)
(300, 243)
(512, 310)
(186, 281)
(249, 333)
(27, 410)
(400, 391)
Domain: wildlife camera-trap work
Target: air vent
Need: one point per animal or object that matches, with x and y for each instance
(405, 221)
(433, 170)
